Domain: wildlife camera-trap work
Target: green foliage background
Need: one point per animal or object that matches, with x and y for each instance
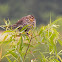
(15, 9)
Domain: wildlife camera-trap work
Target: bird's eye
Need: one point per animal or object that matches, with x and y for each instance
(32, 17)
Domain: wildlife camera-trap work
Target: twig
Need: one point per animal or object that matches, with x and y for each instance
(27, 48)
(29, 45)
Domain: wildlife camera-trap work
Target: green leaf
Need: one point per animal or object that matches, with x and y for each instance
(14, 54)
(24, 28)
(41, 30)
(3, 26)
(60, 42)
(56, 33)
(27, 38)
(59, 52)
(56, 21)
(17, 28)
(9, 22)
(5, 22)
(5, 37)
(21, 44)
(19, 56)
(14, 61)
(8, 59)
(43, 57)
(8, 31)
(55, 60)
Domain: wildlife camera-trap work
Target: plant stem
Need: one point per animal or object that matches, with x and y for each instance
(29, 45)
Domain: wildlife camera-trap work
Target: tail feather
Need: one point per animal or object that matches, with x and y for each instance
(13, 26)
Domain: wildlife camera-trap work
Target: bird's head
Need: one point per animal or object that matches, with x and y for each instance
(32, 20)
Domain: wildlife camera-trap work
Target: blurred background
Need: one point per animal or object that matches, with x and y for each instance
(15, 9)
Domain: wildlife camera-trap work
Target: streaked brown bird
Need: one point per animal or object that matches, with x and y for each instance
(27, 20)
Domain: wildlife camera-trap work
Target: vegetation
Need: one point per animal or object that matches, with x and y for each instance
(38, 45)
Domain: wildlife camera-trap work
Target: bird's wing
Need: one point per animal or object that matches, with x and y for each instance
(21, 21)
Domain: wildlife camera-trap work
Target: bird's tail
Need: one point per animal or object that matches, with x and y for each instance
(13, 26)
(9, 26)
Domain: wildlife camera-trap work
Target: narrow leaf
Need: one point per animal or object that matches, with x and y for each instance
(8, 59)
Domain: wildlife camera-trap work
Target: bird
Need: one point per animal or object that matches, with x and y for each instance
(28, 20)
